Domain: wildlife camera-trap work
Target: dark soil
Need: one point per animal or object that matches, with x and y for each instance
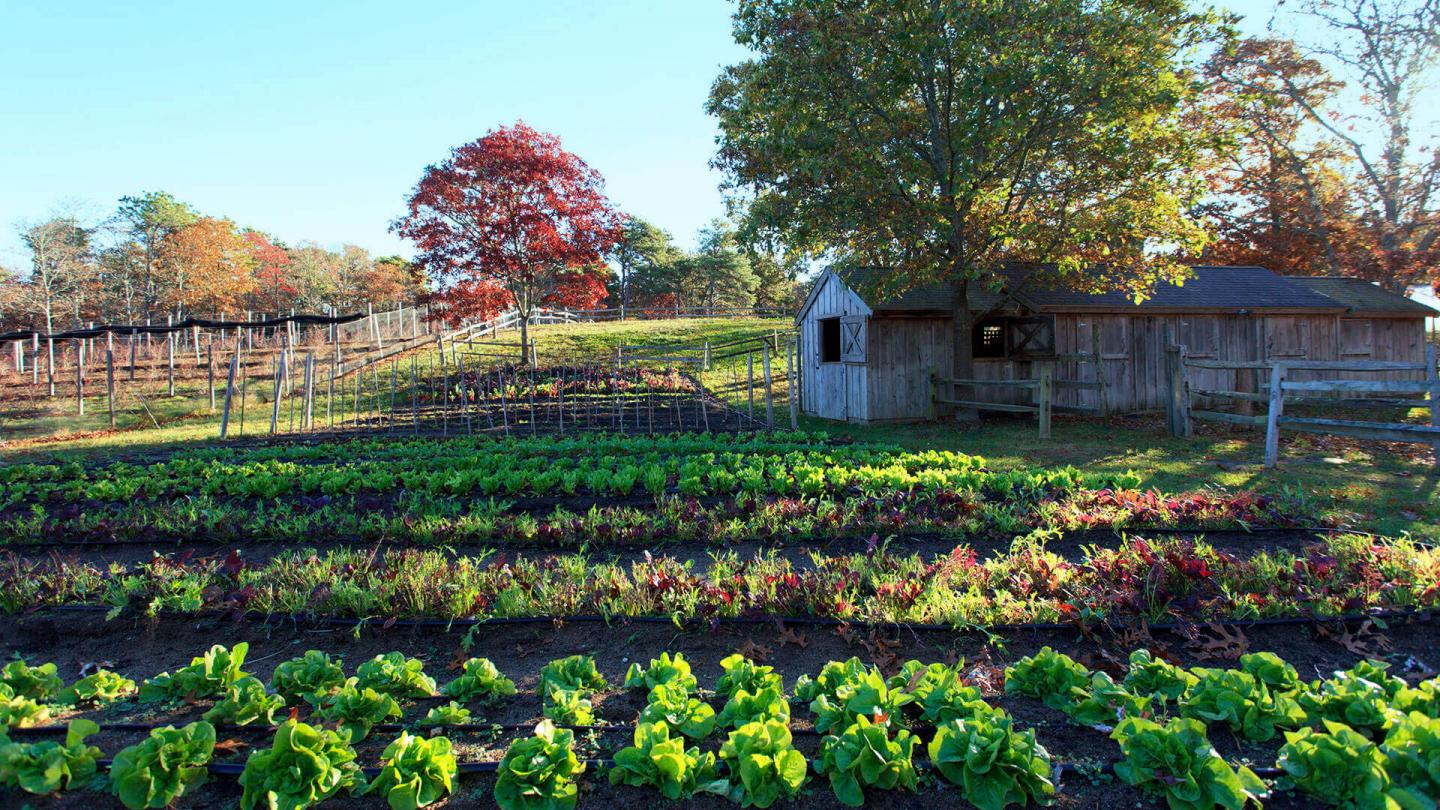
(1071, 545)
(139, 649)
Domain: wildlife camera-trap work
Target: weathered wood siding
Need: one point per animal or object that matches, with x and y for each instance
(903, 351)
(831, 390)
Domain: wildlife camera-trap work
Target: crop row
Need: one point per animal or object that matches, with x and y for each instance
(1361, 738)
(494, 471)
(1152, 580)
(436, 520)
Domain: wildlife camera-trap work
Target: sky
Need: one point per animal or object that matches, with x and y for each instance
(312, 120)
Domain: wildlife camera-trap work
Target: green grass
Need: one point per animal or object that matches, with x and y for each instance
(1386, 491)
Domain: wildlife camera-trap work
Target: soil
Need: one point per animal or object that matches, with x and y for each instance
(1071, 545)
(144, 648)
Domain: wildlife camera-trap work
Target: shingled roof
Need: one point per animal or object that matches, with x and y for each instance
(1223, 289)
(1362, 297)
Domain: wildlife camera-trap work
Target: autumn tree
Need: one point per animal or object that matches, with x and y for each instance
(274, 288)
(207, 267)
(513, 209)
(1386, 50)
(937, 140)
(151, 218)
(1279, 195)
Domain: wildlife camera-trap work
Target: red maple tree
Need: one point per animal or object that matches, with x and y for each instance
(272, 272)
(514, 211)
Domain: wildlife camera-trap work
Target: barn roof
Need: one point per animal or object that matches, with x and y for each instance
(1362, 297)
(1210, 289)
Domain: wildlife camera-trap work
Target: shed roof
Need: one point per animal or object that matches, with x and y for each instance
(1362, 297)
(1210, 289)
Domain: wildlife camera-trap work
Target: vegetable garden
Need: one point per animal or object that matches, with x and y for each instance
(728, 618)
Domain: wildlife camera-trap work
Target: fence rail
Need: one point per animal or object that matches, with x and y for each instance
(1043, 386)
(1282, 389)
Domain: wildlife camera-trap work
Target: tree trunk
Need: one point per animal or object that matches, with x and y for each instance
(963, 359)
(524, 337)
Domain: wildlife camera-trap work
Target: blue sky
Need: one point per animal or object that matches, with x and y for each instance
(312, 120)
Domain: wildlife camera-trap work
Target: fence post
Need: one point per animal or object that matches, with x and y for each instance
(210, 373)
(308, 423)
(1047, 376)
(280, 366)
(80, 376)
(1272, 420)
(769, 397)
(170, 356)
(750, 384)
(1432, 376)
(229, 390)
(792, 384)
(110, 383)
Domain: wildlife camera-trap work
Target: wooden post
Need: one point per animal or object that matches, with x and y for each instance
(170, 357)
(280, 366)
(80, 376)
(1432, 376)
(35, 359)
(414, 399)
(110, 383)
(1045, 394)
(791, 385)
(50, 370)
(1277, 409)
(1103, 393)
(229, 390)
(195, 337)
(769, 394)
(308, 422)
(750, 384)
(1179, 392)
(210, 374)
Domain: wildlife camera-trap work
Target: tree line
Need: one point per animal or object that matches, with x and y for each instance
(156, 257)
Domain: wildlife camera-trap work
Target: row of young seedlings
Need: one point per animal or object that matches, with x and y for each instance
(1379, 745)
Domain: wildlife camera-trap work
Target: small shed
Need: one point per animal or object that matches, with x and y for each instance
(871, 361)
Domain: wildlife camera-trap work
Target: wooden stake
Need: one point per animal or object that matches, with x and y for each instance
(80, 376)
(1272, 419)
(229, 392)
(769, 396)
(275, 403)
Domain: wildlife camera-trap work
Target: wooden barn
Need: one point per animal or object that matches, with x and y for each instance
(872, 361)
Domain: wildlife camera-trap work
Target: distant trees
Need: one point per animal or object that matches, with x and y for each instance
(1330, 172)
(158, 257)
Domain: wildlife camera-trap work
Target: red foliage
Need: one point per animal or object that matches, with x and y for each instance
(272, 271)
(511, 211)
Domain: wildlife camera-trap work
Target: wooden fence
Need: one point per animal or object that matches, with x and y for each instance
(704, 357)
(1282, 389)
(1043, 386)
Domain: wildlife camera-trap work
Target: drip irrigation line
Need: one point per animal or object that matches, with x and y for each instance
(753, 621)
(793, 541)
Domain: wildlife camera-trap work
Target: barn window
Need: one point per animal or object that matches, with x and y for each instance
(829, 340)
(1014, 338)
(989, 340)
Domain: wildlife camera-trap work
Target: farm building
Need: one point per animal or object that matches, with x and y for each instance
(872, 361)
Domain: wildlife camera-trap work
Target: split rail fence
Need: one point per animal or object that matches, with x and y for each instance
(1321, 389)
(943, 391)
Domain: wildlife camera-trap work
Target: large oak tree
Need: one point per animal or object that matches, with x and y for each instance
(939, 139)
(512, 210)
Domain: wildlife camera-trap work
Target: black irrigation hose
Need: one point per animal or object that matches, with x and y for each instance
(790, 541)
(750, 621)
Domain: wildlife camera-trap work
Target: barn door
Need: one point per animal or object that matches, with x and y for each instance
(852, 339)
